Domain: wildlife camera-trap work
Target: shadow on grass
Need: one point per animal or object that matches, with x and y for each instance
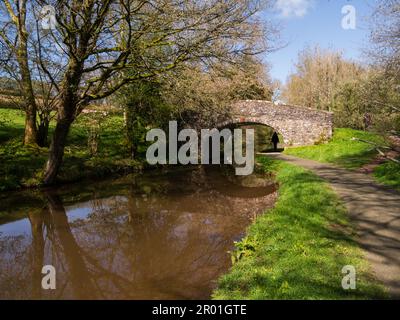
(8, 133)
(354, 160)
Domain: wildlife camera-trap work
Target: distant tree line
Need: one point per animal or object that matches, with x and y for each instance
(362, 96)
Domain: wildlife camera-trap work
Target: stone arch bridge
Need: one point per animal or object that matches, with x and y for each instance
(298, 125)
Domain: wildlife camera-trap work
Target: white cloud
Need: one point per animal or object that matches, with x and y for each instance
(293, 8)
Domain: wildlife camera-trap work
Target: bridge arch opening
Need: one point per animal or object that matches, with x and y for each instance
(262, 135)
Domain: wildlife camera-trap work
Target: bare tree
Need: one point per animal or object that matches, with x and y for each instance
(318, 78)
(24, 64)
(14, 44)
(385, 54)
(196, 93)
(385, 36)
(95, 43)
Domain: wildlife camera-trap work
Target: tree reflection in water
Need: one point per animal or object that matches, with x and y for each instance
(154, 238)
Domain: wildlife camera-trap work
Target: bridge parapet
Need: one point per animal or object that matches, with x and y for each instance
(298, 125)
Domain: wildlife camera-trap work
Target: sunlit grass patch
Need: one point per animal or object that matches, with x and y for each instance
(389, 174)
(22, 166)
(300, 247)
(341, 149)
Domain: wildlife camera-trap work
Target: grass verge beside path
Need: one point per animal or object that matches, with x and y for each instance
(342, 151)
(298, 249)
(388, 174)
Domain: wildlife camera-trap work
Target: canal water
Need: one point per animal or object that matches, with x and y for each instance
(158, 235)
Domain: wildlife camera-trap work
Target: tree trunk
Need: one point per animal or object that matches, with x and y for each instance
(43, 131)
(56, 151)
(25, 81)
(65, 116)
(30, 135)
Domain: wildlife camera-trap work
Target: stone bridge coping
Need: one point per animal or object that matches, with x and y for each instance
(241, 107)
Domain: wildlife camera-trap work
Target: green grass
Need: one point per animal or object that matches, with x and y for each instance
(341, 150)
(22, 166)
(298, 249)
(12, 123)
(388, 174)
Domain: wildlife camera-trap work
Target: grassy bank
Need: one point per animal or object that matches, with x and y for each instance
(388, 174)
(298, 249)
(22, 166)
(342, 151)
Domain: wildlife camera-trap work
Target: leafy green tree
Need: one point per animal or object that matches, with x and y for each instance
(144, 108)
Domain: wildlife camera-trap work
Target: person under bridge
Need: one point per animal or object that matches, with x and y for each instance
(275, 141)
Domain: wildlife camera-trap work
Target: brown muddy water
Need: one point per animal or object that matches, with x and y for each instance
(159, 235)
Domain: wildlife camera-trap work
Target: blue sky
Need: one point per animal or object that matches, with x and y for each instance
(311, 22)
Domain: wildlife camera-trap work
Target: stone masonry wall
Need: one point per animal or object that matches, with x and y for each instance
(298, 125)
